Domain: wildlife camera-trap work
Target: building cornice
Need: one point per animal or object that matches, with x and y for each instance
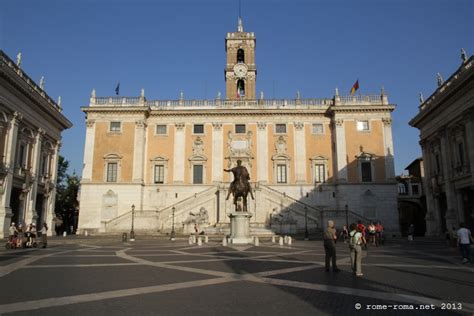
(20, 80)
(462, 75)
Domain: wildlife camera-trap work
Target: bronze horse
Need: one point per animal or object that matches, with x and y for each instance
(240, 187)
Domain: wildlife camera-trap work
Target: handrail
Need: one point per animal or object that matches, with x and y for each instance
(125, 214)
(186, 199)
(291, 198)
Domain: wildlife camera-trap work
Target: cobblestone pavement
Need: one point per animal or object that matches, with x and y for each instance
(99, 276)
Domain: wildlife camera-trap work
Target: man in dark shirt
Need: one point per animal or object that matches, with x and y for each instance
(329, 238)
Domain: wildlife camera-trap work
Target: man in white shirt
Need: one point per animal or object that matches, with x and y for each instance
(464, 242)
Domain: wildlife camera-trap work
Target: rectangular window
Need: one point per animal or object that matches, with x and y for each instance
(159, 174)
(280, 128)
(415, 189)
(161, 129)
(461, 153)
(22, 155)
(115, 126)
(362, 125)
(44, 162)
(197, 174)
(318, 129)
(198, 128)
(366, 168)
(240, 128)
(112, 172)
(281, 174)
(319, 173)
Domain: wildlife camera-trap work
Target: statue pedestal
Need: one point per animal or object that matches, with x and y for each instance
(240, 228)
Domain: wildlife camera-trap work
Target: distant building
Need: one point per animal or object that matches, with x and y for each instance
(305, 156)
(446, 124)
(30, 132)
(412, 199)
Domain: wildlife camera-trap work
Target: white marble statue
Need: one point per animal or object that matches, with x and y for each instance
(41, 84)
(18, 59)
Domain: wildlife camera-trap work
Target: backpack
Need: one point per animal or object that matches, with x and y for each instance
(352, 240)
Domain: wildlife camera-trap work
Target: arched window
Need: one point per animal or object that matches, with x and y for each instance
(240, 56)
(240, 88)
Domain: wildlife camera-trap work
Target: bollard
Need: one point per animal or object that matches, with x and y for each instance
(257, 242)
(280, 241)
(273, 239)
(289, 241)
(224, 241)
(190, 240)
(64, 234)
(86, 233)
(124, 237)
(206, 239)
(199, 241)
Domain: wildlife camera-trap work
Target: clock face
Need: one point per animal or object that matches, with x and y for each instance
(240, 70)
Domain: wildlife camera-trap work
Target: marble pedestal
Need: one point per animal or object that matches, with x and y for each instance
(240, 228)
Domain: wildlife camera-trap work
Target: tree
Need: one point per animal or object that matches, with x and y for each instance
(67, 188)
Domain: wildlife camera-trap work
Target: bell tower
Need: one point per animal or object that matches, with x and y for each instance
(240, 71)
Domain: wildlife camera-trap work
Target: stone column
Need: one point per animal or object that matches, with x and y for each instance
(469, 127)
(449, 187)
(388, 150)
(217, 152)
(88, 151)
(8, 168)
(341, 151)
(432, 214)
(31, 213)
(262, 152)
(300, 152)
(51, 194)
(138, 151)
(179, 153)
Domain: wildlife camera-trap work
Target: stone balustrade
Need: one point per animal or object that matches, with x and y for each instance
(314, 103)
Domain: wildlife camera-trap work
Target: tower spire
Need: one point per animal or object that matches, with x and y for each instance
(240, 25)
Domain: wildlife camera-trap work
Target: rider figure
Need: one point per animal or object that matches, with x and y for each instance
(239, 172)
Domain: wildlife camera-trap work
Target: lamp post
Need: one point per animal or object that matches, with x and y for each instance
(347, 216)
(132, 232)
(306, 234)
(173, 233)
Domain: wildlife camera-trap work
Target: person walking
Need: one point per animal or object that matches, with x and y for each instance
(44, 237)
(355, 245)
(464, 243)
(12, 232)
(329, 238)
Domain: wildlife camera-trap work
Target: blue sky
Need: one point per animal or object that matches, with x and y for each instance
(307, 45)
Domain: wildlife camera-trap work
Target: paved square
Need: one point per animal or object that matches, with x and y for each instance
(100, 276)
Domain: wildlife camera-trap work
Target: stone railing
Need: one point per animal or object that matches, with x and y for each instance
(466, 66)
(5, 60)
(314, 103)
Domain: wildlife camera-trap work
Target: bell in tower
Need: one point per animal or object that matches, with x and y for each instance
(240, 70)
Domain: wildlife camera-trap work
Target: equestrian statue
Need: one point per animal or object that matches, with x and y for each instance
(240, 187)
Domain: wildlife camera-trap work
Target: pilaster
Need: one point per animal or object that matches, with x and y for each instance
(8, 167)
(432, 218)
(262, 152)
(138, 151)
(50, 194)
(89, 151)
(31, 212)
(388, 150)
(217, 152)
(449, 187)
(179, 153)
(300, 152)
(469, 128)
(341, 152)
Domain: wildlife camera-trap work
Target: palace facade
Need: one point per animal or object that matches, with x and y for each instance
(30, 132)
(446, 124)
(309, 159)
